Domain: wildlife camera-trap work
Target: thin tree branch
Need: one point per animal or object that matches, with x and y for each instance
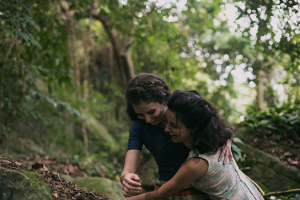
(278, 193)
(16, 104)
(8, 51)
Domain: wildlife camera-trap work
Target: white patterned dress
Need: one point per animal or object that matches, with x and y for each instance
(224, 181)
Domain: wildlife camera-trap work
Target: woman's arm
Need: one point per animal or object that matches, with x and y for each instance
(130, 180)
(191, 169)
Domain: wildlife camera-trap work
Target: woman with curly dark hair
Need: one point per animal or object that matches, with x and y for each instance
(146, 97)
(195, 122)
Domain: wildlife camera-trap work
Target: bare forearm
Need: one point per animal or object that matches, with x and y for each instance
(148, 196)
(138, 197)
(130, 180)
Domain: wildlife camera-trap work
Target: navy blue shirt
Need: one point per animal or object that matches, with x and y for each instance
(168, 155)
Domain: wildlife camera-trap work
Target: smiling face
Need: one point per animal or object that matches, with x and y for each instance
(152, 113)
(178, 130)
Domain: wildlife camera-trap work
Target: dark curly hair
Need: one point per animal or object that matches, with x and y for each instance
(209, 131)
(145, 87)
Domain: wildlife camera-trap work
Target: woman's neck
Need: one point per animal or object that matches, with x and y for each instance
(164, 120)
(188, 144)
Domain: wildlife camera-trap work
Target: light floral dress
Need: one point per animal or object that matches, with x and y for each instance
(224, 181)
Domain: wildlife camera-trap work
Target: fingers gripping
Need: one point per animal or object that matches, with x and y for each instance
(131, 185)
(226, 153)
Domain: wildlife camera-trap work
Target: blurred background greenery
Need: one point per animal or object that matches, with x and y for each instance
(64, 66)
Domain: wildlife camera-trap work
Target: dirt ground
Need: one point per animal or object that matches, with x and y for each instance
(60, 188)
(287, 149)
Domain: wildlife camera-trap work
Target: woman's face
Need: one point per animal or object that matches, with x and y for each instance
(178, 130)
(152, 113)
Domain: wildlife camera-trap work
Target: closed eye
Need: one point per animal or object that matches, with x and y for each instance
(151, 111)
(173, 125)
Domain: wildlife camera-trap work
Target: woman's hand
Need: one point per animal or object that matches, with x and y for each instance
(131, 185)
(226, 152)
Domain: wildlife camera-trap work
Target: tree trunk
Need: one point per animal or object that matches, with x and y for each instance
(121, 52)
(260, 75)
(7, 119)
(97, 81)
(260, 91)
(2, 62)
(68, 15)
(72, 51)
(86, 59)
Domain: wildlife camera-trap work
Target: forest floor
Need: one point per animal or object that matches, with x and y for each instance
(287, 149)
(60, 188)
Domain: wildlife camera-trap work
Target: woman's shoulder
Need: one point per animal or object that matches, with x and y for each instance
(209, 157)
(195, 153)
(197, 166)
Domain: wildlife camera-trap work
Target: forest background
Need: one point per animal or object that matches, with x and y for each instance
(64, 67)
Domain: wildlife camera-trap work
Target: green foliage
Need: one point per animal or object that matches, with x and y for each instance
(282, 120)
(177, 50)
(280, 42)
(17, 21)
(263, 187)
(191, 48)
(39, 99)
(27, 27)
(102, 161)
(237, 152)
(245, 163)
(11, 196)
